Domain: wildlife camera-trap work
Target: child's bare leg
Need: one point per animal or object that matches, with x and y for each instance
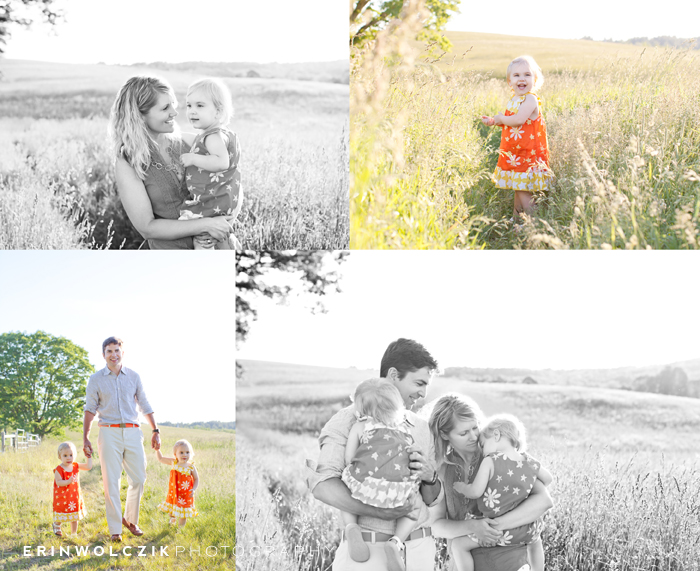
(395, 547)
(524, 202)
(74, 527)
(357, 548)
(182, 521)
(535, 553)
(461, 547)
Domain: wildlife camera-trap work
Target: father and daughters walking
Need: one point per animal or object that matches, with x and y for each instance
(113, 395)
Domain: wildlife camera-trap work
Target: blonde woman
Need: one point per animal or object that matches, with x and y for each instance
(149, 171)
(455, 424)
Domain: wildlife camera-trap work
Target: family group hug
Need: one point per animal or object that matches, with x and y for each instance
(113, 395)
(180, 190)
(402, 479)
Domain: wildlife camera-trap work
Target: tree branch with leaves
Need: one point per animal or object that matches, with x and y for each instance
(23, 13)
(367, 17)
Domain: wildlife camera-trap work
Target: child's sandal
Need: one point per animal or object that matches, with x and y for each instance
(57, 529)
(395, 550)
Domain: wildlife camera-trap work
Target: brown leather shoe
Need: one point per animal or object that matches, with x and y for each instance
(116, 537)
(132, 527)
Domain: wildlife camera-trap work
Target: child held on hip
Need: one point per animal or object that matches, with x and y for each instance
(212, 174)
(377, 469)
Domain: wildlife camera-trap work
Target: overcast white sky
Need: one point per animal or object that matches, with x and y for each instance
(175, 314)
(555, 310)
(130, 31)
(599, 19)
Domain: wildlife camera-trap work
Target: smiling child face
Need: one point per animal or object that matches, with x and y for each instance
(521, 78)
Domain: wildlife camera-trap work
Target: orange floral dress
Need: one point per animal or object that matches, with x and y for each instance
(178, 502)
(524, 155)
(68, 500)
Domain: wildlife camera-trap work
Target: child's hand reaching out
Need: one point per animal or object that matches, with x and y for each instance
(488, 121)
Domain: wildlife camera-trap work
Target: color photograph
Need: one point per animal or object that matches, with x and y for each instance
(413, 410)
(117, 413)
(135, 125)
(481, 126)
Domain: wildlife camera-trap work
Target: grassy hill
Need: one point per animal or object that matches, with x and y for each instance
(622, 148)
(491, 53)
(26, 483)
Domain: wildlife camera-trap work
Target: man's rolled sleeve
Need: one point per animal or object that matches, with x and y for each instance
(140, 396)
(92, 399)
(332, 441)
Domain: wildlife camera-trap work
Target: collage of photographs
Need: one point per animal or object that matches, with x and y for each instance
(463, 244)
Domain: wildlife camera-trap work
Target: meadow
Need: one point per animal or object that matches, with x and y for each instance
(626, 469)
(57, 187)
(26, 483)
(623, 134)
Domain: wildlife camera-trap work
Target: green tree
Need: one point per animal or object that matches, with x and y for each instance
(42, 382)
(370, 16)
(19, 12)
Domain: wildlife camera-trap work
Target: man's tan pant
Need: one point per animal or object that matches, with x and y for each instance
(122, 448)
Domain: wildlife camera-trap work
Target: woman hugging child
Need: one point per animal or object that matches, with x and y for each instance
(505, 479)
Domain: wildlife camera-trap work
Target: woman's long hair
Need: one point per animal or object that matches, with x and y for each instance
(127, 126)
(446, 411)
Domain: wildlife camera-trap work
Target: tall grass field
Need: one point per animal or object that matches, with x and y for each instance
(57, 187)
(206, 542)
(623, 130)
(626, 468)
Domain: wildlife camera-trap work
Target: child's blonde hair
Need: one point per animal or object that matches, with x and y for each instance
(220, 96)
(509, 427)
(381, 400)
(183, 442)
(64, 445)
(534, 68)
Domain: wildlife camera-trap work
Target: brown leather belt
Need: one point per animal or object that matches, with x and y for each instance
(378, 537)
(122, 425)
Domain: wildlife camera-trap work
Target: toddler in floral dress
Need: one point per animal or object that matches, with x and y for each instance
(212, 175)
(504, 480)
(67, 497)
(182, 485)
(523, 164)
(377, 471)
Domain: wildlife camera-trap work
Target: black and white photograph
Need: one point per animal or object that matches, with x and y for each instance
(463, 411)
(117, 412)
(150, 125)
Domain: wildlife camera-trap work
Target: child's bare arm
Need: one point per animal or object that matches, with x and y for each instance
(61, 482)
(87, 465)
(545, 476)
(353, 442)
(164, 459)
(195, 475)
(526, 109)
(217, 160)
(478, 486)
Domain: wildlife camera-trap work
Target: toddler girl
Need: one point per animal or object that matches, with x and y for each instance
(504, 480)
(183, 483)
(67, 497)
(523, 164)
(377, 471)
(212, 175)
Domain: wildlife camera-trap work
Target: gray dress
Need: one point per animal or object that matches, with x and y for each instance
(167, 192)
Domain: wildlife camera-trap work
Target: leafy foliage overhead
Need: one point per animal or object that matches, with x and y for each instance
(18, 12)
(370, 16)
(42, 382)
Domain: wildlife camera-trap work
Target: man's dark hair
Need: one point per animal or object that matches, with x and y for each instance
(111, 341)
(406, 356)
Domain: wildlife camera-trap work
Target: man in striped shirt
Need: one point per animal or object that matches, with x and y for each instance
(113, 394)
